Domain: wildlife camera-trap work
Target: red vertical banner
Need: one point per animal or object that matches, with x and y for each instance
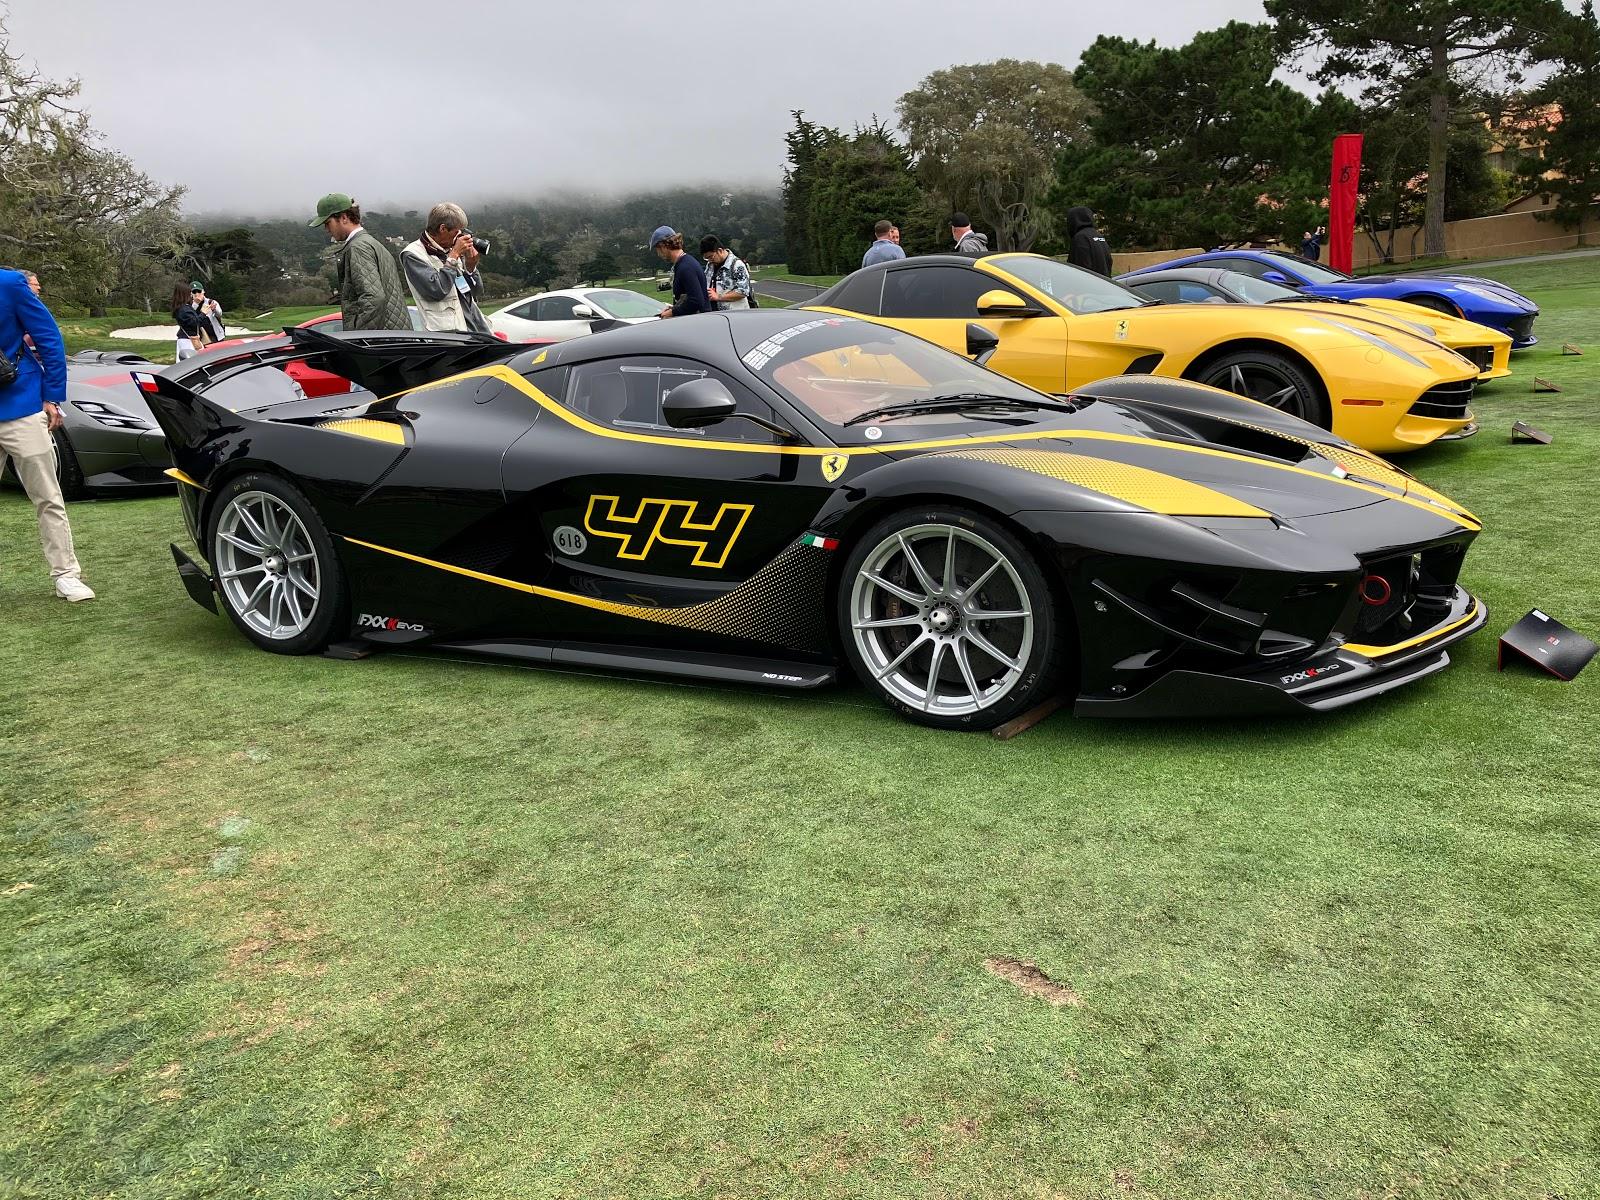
(1342, 200)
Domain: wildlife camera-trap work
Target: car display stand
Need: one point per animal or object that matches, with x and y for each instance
(1027, 720)
(349, 651)
(1547, 644)
(1521, 431)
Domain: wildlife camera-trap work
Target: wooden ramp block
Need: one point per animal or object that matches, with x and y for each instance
(1570, 348)
(1544, 385)
(1027, 720)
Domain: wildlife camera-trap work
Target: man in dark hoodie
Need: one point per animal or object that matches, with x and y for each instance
(1087, 248)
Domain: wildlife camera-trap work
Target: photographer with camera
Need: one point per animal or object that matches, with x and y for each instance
(441, 269)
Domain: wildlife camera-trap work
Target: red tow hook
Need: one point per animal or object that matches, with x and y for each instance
(1381, 596)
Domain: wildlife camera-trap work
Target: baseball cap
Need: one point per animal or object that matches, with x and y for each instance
(661, 235)
(332, 203)
(196, 286)
(959, 220)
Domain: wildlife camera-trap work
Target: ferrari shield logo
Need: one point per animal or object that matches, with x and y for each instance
(1122, 330)
(833, 466)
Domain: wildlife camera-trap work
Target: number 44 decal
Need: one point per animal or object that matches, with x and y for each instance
(675, 522)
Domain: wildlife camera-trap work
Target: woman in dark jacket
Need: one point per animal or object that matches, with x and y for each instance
(191, 331)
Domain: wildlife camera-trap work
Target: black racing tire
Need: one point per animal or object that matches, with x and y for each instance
(1436, 303)
(324, 605)
(991, 668)
(69, 472)
(1274, 379)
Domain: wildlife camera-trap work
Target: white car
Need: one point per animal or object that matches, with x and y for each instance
(559, 316)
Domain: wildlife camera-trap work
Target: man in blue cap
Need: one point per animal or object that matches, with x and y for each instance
(688, 277)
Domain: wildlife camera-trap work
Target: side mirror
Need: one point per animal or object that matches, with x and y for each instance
(981, 343)
(1001, 303)
(698, 403)
(1278, 277)
(584, 311)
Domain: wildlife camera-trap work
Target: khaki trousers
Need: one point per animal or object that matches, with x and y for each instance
(27, 443)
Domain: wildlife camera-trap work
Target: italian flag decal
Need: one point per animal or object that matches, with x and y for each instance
(820, 542)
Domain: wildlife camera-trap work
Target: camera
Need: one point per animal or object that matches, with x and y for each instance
(481, 245)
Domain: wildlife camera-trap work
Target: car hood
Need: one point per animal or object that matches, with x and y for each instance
(1514, 298)
(1141, 451)
(1510, 295)
(1334, 325)
(1360, 310)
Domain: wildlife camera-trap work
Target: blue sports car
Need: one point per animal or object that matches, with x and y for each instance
(1481, 300)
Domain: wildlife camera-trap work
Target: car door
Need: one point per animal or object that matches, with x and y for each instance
(625, 508)
(553, 319)
(937, 301)
(517, 322)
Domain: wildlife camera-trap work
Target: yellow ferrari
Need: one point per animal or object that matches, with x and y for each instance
(1201, 283)
(1060, 328)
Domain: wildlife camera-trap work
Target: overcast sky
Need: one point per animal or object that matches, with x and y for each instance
(262, 108)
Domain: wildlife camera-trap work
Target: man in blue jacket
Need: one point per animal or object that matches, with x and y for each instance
(30, 407)
(688, 276)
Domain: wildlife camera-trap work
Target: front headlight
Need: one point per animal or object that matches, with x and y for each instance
(1483, 293)
(111, 415)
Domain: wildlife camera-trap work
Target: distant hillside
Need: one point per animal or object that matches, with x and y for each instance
(538, 241)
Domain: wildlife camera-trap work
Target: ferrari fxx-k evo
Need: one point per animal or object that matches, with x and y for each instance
(772, 497)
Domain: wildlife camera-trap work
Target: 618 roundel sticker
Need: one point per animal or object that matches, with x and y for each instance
(569, 540)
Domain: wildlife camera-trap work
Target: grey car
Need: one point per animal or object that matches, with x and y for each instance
(109, 442)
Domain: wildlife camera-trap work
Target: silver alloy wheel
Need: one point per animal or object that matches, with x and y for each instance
(951, 638)
(267, 566)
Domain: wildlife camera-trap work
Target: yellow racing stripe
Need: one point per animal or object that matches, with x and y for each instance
(1381, 651)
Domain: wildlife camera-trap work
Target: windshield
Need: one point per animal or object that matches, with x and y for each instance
(1258, 291)
(622, 304)
(1076, 290)
(839, 368)
(1313, 272)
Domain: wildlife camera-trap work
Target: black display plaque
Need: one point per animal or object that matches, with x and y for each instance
(1548, 644)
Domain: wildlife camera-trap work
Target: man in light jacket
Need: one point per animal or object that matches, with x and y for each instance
(441, 270)
(968, 240)
(370, 295)
(884, 248)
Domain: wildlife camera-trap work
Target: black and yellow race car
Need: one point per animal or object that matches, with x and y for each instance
(773, 496)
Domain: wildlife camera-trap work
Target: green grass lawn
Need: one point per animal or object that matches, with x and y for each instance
(421, 928)
(274, 320)
(94, 333)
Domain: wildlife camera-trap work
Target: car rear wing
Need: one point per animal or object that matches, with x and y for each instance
(382, 362)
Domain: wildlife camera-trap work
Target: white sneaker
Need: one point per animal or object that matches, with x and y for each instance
(72, 589)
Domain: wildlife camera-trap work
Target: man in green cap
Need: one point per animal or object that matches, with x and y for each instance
(210, 311)
(370, 292)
